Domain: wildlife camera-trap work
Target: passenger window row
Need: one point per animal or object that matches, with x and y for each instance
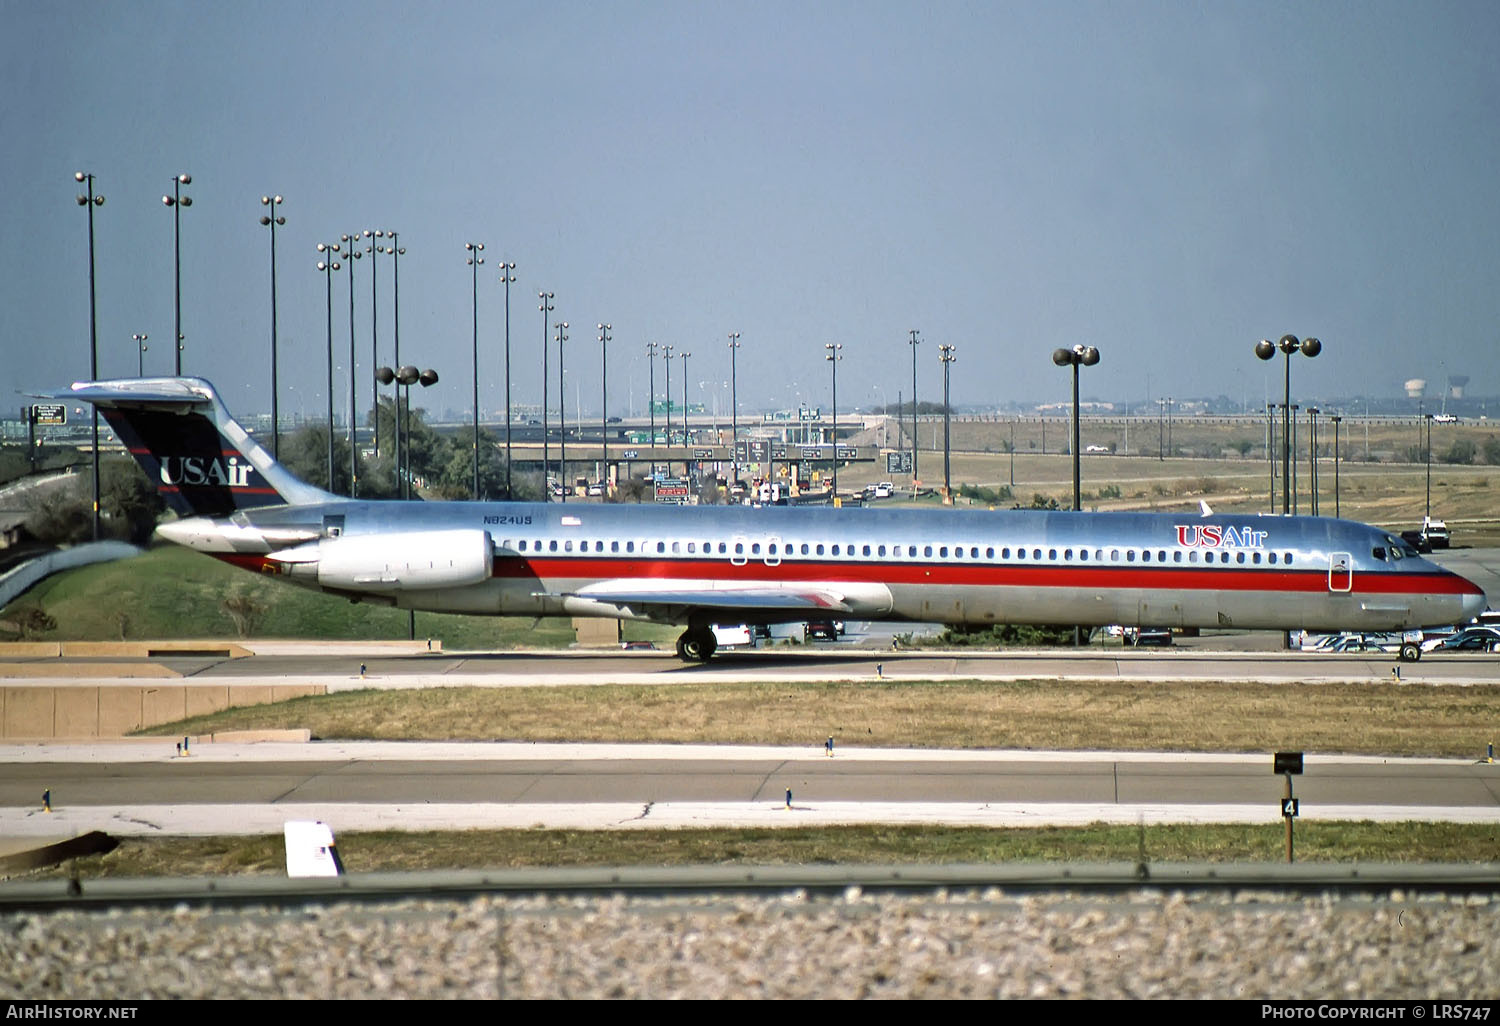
(789, 550)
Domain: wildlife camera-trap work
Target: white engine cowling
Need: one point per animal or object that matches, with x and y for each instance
(405, 561)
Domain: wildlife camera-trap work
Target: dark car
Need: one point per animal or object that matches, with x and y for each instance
(1147, 636)
(823, 630)
(1417, 540)
(1470, 639)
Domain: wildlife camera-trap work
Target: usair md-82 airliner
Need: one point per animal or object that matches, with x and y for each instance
(701, 566)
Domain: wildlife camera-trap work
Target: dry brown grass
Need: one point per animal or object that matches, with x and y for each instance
(854, 845)
(1383, 719)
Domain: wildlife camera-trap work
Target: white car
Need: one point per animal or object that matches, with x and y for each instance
(884, 490)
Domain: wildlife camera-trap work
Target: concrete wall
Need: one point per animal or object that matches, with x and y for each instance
(43, 711)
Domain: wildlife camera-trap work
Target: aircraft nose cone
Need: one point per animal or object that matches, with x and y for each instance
(1475, 602)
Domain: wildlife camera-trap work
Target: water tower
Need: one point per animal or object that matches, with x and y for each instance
(1456, 383)
(1416, 388)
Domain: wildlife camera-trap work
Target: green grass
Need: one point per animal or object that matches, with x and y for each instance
(172, 592)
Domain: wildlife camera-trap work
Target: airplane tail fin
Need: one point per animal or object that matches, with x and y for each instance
(197, 455)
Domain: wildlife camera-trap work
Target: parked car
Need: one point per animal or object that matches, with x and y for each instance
(1147, 636)
(1417, 540)
(1436, 533)
(1470, 639)
(823, 630)
(1355, 642)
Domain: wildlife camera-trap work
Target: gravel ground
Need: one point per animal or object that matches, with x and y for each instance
(1145, 944)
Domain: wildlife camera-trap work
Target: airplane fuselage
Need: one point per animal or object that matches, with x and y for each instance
(948, 566)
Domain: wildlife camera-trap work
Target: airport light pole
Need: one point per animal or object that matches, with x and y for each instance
(546, 308)
(946, 354)
(914, 342)
(562, 412)
(1265, 349)
(1312, 459)
(1078, 356)
(375, 249)
(507, 279)
(396, 252)
(1427, 458)
(474, 260)
(686, 441)
(1161, 431)
(651, 399)
(833, 356)
(1337, 421)
(404, 378)
(604, 330)
(1291, 446)
(140, 354)
(734, 408)
(273, 220)
(351, 254)
(177, 201)
(90, 200)
(328, 265)
(667, 387)
(1271, 451)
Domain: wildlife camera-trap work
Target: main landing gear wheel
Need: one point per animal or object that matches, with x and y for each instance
(1410, 653)
(696, 645)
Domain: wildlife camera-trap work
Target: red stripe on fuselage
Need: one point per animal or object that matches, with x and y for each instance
(946, 575)
(1228, 578)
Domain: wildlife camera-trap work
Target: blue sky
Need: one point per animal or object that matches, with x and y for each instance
(1167, 181)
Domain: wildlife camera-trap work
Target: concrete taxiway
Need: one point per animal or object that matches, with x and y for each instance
(144, 787)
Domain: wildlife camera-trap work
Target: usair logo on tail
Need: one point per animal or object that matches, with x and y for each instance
(195, 470)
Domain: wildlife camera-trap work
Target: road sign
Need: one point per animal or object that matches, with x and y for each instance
(49, 414)
(898, 463)
(1290, 807)
(1287, 762)
(674, 491)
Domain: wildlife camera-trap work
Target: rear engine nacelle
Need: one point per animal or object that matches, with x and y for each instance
(406, 561)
